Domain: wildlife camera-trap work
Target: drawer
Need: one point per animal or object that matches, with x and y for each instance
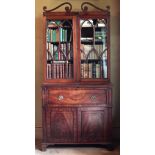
(77, 96)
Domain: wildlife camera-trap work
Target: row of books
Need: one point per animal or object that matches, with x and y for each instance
(59, 71)
(93, 70)
(90, 52)
(58, 52)
(56, 35)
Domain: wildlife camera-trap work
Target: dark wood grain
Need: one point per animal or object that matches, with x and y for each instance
(61, 124)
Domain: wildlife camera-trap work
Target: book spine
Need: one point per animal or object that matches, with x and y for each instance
(49, 73)
(105, 67)
(59, 54)
(86, 73)
(61, 71)
(57, 71)
(60, 34)
(68, 52)
(57, 35)
(90, 70)
(64, 51)
(66, 70)
(97, 70)
(54, 71)
(70, 70)
(66, 35)
(94, 70)
(51, 35)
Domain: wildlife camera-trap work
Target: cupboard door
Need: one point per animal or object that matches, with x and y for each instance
(92, 123)
(61, 125)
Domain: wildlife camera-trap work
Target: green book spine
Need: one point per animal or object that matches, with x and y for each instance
(60, 34)
(65, 35)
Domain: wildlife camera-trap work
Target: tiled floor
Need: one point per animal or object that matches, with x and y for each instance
(72, 150)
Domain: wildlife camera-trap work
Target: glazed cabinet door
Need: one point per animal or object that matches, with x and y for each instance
(93, 125)
(59, 48)
(61, 125)
(94, 48)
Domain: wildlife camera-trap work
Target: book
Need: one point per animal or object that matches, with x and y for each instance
(70, 71)
(104, 61)
(105, 67)
(54, 68)
(49, 71)
(57, 71)
(97, 70)
(86, 71)
(66, 70)
(57, 35)
(94, 70)
(82, 70)
(60, 71)
(63, 70)
(90, 70)
(61, 34)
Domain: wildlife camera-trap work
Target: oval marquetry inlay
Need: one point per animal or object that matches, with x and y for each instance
(77, 97)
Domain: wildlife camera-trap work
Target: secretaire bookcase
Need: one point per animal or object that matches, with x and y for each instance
(76, 91)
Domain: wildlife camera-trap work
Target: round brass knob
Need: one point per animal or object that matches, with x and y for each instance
(60, 97)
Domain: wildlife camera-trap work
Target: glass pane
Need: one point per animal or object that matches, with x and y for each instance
(59, 48)
(93, 48)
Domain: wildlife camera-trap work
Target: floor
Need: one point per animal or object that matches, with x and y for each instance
(76, 150)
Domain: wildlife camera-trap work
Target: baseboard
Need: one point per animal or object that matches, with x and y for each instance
(38, 132)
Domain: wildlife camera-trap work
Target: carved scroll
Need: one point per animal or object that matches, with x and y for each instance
(67, 8)
(84, 8)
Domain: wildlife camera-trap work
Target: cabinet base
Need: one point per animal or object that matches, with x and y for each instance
(108, 146)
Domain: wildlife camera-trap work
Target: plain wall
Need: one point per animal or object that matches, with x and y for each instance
(115, 55)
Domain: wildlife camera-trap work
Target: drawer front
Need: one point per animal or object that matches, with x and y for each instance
(77, 96)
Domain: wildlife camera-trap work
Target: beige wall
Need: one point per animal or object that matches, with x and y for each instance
(115, 55)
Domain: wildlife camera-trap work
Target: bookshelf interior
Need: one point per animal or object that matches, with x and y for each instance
(59, 49)
(93, 48)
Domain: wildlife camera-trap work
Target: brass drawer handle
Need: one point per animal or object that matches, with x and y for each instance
(93, 97)
(60, 97)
